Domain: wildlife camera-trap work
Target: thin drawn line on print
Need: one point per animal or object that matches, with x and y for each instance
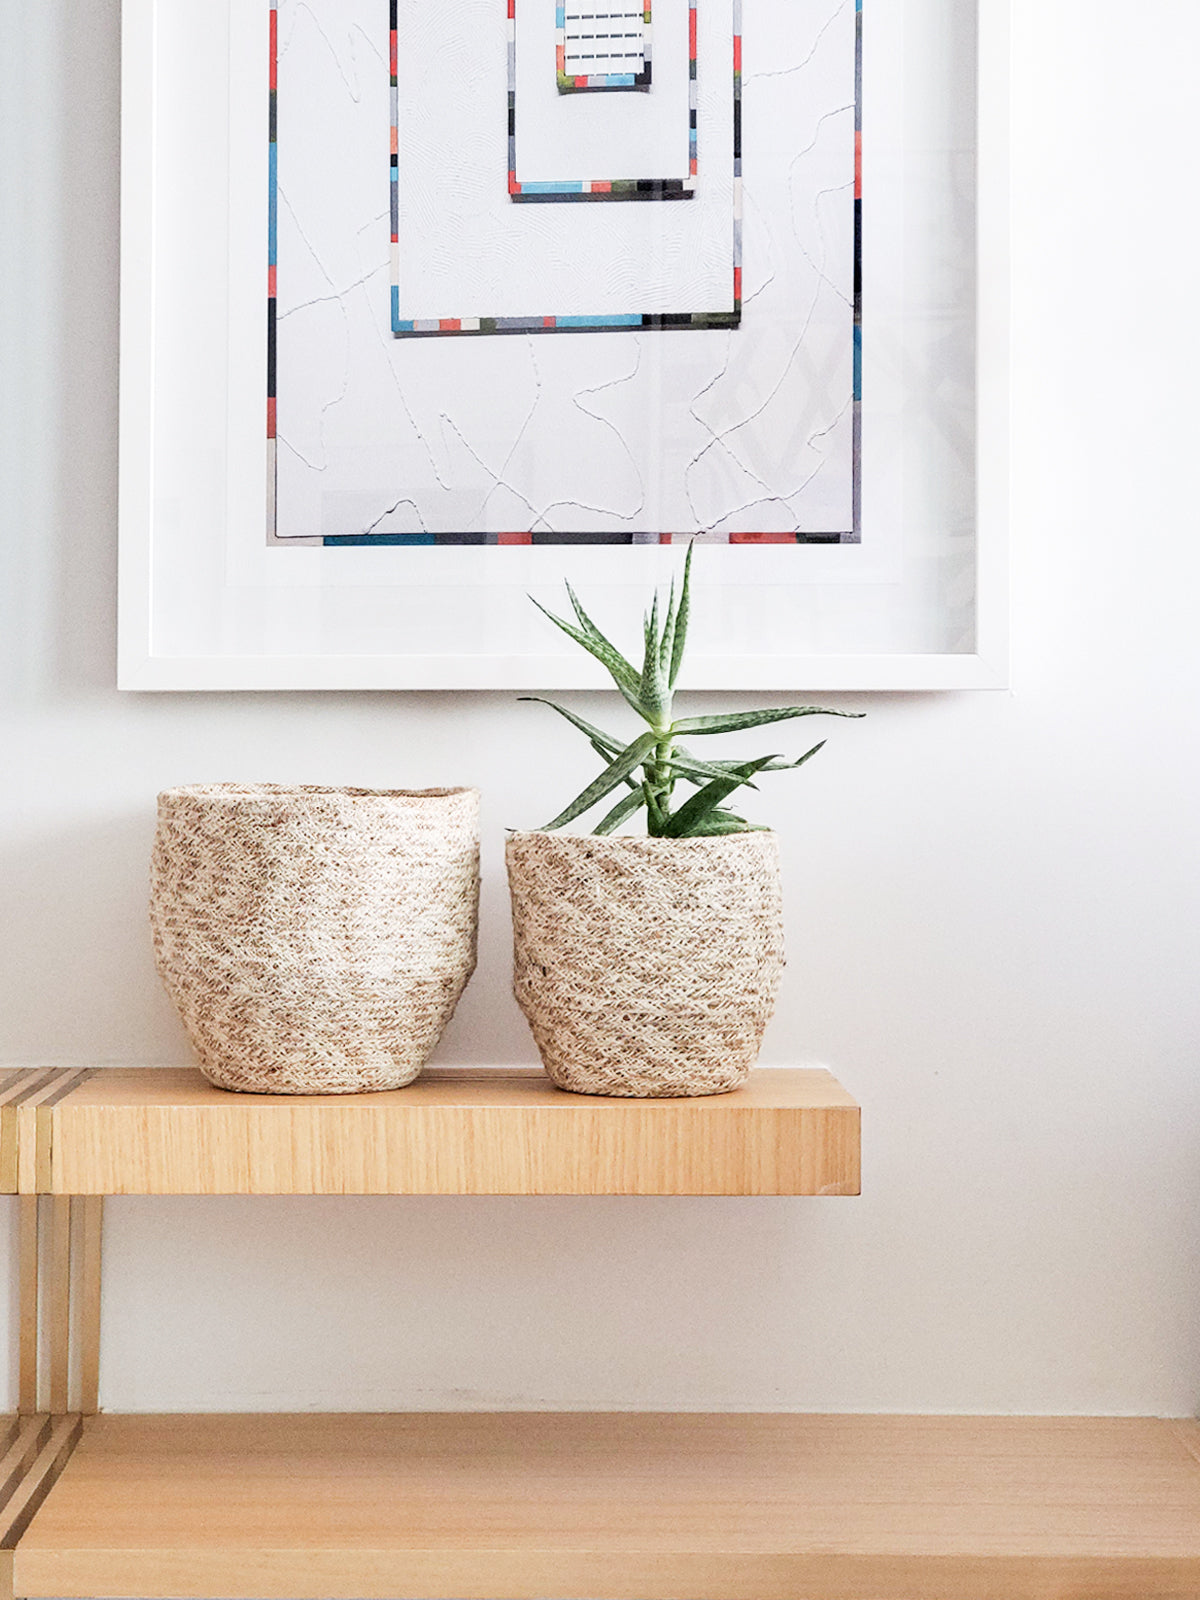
(618, 322)
(568, 538)
(856, 410)
(602, 189)
(592, 82)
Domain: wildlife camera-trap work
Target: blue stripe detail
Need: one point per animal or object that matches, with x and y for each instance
(379, 538)
(633, 320)
(272, 205)
(604, 80)
(552, 188)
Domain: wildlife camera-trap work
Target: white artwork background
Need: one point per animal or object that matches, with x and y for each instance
(706, 431)
(609, 134)
(466, 249)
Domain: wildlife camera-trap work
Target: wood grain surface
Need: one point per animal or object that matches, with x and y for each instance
(167, 1131)
(620, 1507)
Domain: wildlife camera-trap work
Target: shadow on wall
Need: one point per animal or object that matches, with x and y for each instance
(73, 917)
(77, 895)
(639, 1303)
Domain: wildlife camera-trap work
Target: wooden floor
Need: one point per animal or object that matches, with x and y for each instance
(621, 1507)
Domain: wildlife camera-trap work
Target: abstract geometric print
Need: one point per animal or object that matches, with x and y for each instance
(605, 48)
(677, 188)
(502, 259)
(395, 419)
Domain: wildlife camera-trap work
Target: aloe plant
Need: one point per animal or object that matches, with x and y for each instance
(651, 767)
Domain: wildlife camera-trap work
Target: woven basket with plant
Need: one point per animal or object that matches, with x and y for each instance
(649, 965)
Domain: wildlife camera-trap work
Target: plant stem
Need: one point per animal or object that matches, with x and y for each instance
(659, 768)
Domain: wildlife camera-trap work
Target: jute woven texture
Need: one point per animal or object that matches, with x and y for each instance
(646, 966)
(315, 941)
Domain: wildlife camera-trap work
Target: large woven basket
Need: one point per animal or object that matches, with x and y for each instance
(315, 941)
(646, 966)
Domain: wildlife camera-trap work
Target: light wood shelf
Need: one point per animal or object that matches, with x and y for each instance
(167, 1131)
(508, 1506)
(620, 1507)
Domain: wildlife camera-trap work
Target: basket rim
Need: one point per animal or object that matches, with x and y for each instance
(642, 841)
(247, 792)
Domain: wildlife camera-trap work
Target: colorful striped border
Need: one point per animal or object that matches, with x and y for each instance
(272, 265)
(547, 325)
(600, 188)
(856, 475)
(414, 540)
(417, 328)
(569, 83)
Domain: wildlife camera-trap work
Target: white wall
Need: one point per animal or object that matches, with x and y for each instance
(992, 898)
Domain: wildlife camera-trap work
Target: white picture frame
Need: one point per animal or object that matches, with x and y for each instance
(206, 613)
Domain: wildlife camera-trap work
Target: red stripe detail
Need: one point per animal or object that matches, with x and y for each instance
(270, 416)
(665, 538)
(513, 186)
(271, 271)
(692, 33)
(548, 322)
(737, 284)
(512, 8)
(450, 324)
(858, 163)
(762, 538)
(737, 52)
(274, 48)
(393, 53)
(601, 187)
(514, 538)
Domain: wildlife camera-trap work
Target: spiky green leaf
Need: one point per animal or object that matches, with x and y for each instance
(614, 774)
(667, 642)
(721, 822)
(622, 674)
(652, 687)
(685, 765)
(634, 783)
(713, 769)
(602, 742)
(626, 667)
(679, 637)
(734, 721)
(682, 822)
(623, 809)
(650, 631)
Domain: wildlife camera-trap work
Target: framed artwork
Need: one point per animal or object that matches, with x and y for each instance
(430, 305)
